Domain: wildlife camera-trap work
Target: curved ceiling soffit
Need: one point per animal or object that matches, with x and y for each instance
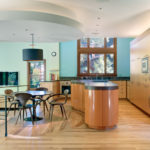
(38, 16)
(37, 6)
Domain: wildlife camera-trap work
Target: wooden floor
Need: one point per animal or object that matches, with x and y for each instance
(132, 132)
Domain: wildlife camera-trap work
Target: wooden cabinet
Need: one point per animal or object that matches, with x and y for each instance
(53, 86)
(140, 81)
(122, 88)
(128, 90)
(101, 108)
(77, 97)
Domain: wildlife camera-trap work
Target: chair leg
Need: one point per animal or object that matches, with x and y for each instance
(51, 112)
(35, 112)
(18, 115)
(9, 108)
(64, 111)
(61, 110)
(31, 116)
(15, 109)
(46, 105)
(26, 112)
(23, 114)
(44, 108)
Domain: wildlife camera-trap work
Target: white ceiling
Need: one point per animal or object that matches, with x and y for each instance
(62, 20)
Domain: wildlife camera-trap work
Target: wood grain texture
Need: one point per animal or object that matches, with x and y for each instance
(139, 88)
(77, 97)
(101, 108)
(131, 133)
(122, 89)
(52, 86)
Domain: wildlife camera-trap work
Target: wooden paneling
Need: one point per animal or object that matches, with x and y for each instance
(77, 97)
(101, 108)
(122, 88)
(53, 86)
(139, 88)
(128, 90)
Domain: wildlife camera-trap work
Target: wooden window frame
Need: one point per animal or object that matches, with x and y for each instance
(28, 73)
(105, 50)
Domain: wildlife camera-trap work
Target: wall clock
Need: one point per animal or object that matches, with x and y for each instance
(53, 54)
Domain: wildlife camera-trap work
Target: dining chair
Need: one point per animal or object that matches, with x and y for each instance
(59, 101)
(11, 100)
(23, 98)
(41, 99)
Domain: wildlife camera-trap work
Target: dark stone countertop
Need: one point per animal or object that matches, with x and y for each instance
(96, 78)
(90, 78)
(97, 84)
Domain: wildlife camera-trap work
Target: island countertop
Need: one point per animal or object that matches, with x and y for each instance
(96, 84)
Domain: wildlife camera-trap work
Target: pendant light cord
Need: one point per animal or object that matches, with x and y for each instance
(32, 40)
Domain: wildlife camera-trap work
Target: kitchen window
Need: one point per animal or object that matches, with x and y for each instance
(97, 57)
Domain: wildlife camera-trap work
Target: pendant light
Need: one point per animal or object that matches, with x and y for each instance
(31, 54)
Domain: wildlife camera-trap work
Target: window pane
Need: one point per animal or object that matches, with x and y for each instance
(83, 63)
(83, 43)
(110, 63)
(110, 42)
(34, 81)
(96, 63)
(36, 73)
(97, 42)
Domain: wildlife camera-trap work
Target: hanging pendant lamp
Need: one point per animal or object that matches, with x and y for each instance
(31, 54)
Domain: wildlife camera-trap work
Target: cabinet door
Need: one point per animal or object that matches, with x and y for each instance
(56, 87)
(47, 85)
(122, 88)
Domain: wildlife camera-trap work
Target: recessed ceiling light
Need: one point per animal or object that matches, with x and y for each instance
(97, 25)
(13, 34)
(26, 30)
(98, 18)
(100, 8)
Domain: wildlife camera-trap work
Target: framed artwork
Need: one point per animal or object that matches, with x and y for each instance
(145, 65)
(8, 78)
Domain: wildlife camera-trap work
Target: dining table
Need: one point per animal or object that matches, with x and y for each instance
(34, 95)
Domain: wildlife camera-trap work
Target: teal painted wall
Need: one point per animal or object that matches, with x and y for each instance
(11, 58)
(68, 58)
(123, 57)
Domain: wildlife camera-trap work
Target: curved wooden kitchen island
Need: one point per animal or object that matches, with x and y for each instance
(100, 100)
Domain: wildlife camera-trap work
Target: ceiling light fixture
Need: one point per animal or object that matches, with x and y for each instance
(31, 54)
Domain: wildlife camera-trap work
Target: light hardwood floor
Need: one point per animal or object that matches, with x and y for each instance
(132, 132)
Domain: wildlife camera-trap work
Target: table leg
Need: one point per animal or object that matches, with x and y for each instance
(35, 118)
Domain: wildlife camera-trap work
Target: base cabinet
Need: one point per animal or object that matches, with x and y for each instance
(101, 108)
(77, 97)
(53, 86)
(122, 88)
